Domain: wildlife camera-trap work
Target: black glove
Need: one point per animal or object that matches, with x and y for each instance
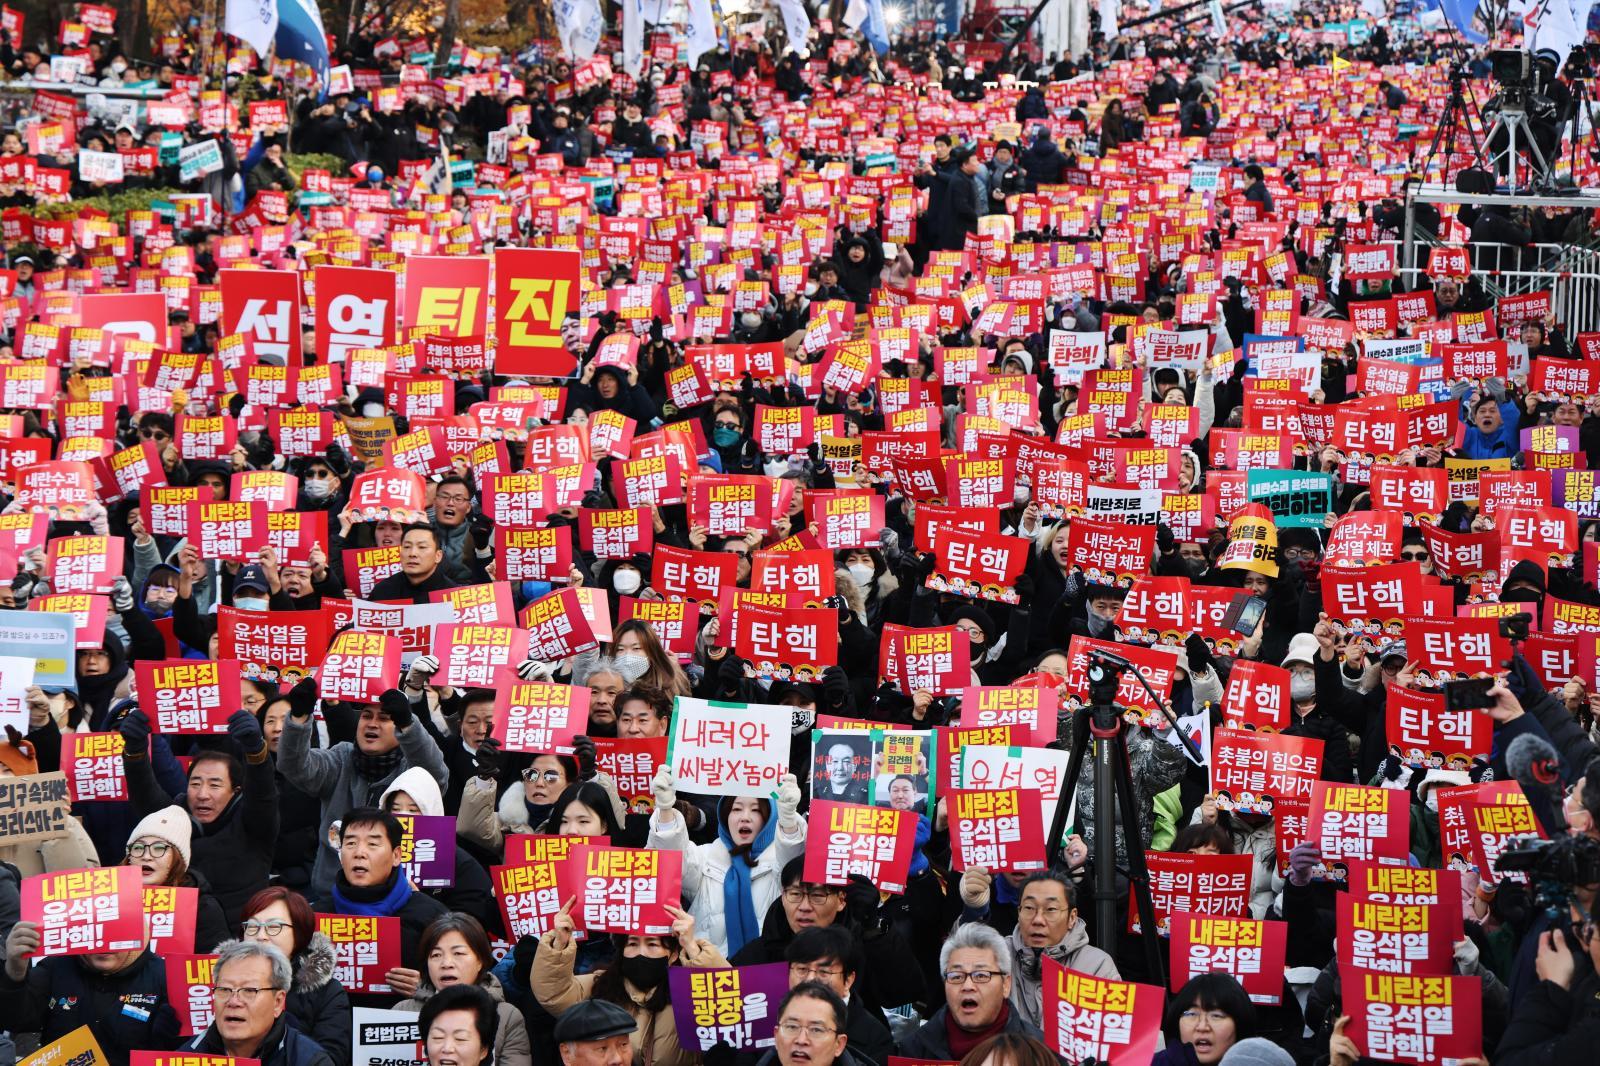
(245, 731)
(135, 730)
(487, 760)
(397, 707)
(861, 902)
(730, 675)
(835, 687)
(522, 959)
(1199, 654)
(482, 528)
(1024, 586)
(583, 751)
(1166, 540)
(303, 699)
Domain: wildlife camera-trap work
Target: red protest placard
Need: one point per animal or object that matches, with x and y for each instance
(473, 655)
(1454, 648)
(558, 625)
(1257, 696)
(936, 660)
(730, 505)
(534, 554)
(1114, 1022)
(188, 695)
(1254, 773)
(807, 574)
(1357, 822)
(632, 763)
(1424, 1020)
(1250, 949)
(672, 621)
(1423, 733)
(223, 529)
(189, 991)
(1155, 611)
(1000, 830)
(280, 646)
(981, 566)
(1030, 709)
(1158, 664)
(85, 912)
(848, 838)
(534, 289)
(489, 604)
(844, 520)
(1495, 821)
(388, 495)
(1395, 937)
(84, 564)
(88, 613)
(622, 890)
(1110, 553)
(359, 667)
(533, 716)
(684, 573)
(93, 764)
(527, 886)
(171, 913)
(1194, 883)
(795, 643)
(616, 534)
(365, 949)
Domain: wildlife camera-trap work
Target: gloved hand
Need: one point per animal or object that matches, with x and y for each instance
(861, 902)
(481, 527)
(1166, 540)
(730, 675)
(522, 959)
(423, 667)
(664, 788)
(1199, 655)
(1466, 953)
(245, 731)
(1301, 862)
(534, 670)
(487, 760)
(835, 688)
(397, 707)
(121, 595)
(1024, 586)
(888, 542)
(583, 751)
(303, 699)
(1073, 585)
(1496, 388)
(975, 887)
(788, 802)
(135, 730)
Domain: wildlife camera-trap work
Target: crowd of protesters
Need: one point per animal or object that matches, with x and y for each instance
(1011, 167)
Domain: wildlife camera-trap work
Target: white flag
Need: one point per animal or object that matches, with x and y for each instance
(580, 25)
(795, 24)
(1556, 29)
(1109, 10)
(255, 22)
(700, 36)
(632, 37)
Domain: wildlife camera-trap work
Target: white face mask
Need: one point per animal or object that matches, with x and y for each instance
(632, 667)
(318, 488)
(750, 320)
(626, 582)
(1302, 686)
(372, 410)
(1019, 496)
(862, 572)
(1432, 800)
(250, 603)
(118, 68)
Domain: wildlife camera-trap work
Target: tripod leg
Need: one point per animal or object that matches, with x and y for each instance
(1138, 872)
(1069, 787)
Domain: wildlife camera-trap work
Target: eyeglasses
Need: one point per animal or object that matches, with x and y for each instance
(153, 434)
(550, 777)
(958, 978)
(807, 973)
(155, 851)
(815, 1032)
(453, 497)
(818, 895)
(246, 996)
(251, 927)
(1414, 557)
(1215, 1017)
(1051, 913)
(1298, 553)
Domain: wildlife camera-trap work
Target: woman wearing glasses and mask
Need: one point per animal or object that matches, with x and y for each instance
(158, 848)
(317, 1003)
(811, 1030)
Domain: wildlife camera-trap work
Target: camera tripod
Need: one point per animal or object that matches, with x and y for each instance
(1460, 115)
(1101, 722)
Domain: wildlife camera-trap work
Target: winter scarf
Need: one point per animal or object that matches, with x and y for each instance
(738, 905)
(379, 901)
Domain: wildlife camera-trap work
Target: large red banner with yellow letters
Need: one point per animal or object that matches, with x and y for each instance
(534, 288)
(447, 295)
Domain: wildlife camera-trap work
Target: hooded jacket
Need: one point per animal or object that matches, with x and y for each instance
(511, 1044)
(1042, 161)
(1072, 951)
(318, 1005)
(472, 893)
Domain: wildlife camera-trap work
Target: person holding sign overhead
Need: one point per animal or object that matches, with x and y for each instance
(637, 982)
(737, 877)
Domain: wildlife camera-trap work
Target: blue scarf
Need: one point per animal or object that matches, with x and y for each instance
(382, 906)
(738, 906)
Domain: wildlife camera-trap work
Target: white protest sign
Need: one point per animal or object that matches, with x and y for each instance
(198, 160)
(991, 767)
(412, 623)
(728, 749)
(385, 1038)
(16, 674)
(100, 166)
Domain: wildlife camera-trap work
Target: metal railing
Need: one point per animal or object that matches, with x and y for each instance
(1570, 271)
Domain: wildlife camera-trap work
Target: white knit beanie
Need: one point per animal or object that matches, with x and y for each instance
(171, 824)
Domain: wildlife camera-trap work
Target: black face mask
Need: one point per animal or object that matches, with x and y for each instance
(644, 972)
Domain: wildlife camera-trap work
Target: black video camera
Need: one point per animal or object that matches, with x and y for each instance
(1554, 866)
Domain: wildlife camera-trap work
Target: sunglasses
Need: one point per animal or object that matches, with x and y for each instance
(153, 434)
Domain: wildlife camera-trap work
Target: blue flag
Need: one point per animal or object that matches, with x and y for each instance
(876, 29)
(1460, 13)
(301, 37)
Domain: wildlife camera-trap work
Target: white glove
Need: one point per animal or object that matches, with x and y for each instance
(121, 595)
(788, 800)
(423, 667)
(534, 670)
(975, 887)
(664, 786)
(1466, 953)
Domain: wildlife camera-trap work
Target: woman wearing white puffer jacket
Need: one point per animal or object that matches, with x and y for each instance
(731, 882)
